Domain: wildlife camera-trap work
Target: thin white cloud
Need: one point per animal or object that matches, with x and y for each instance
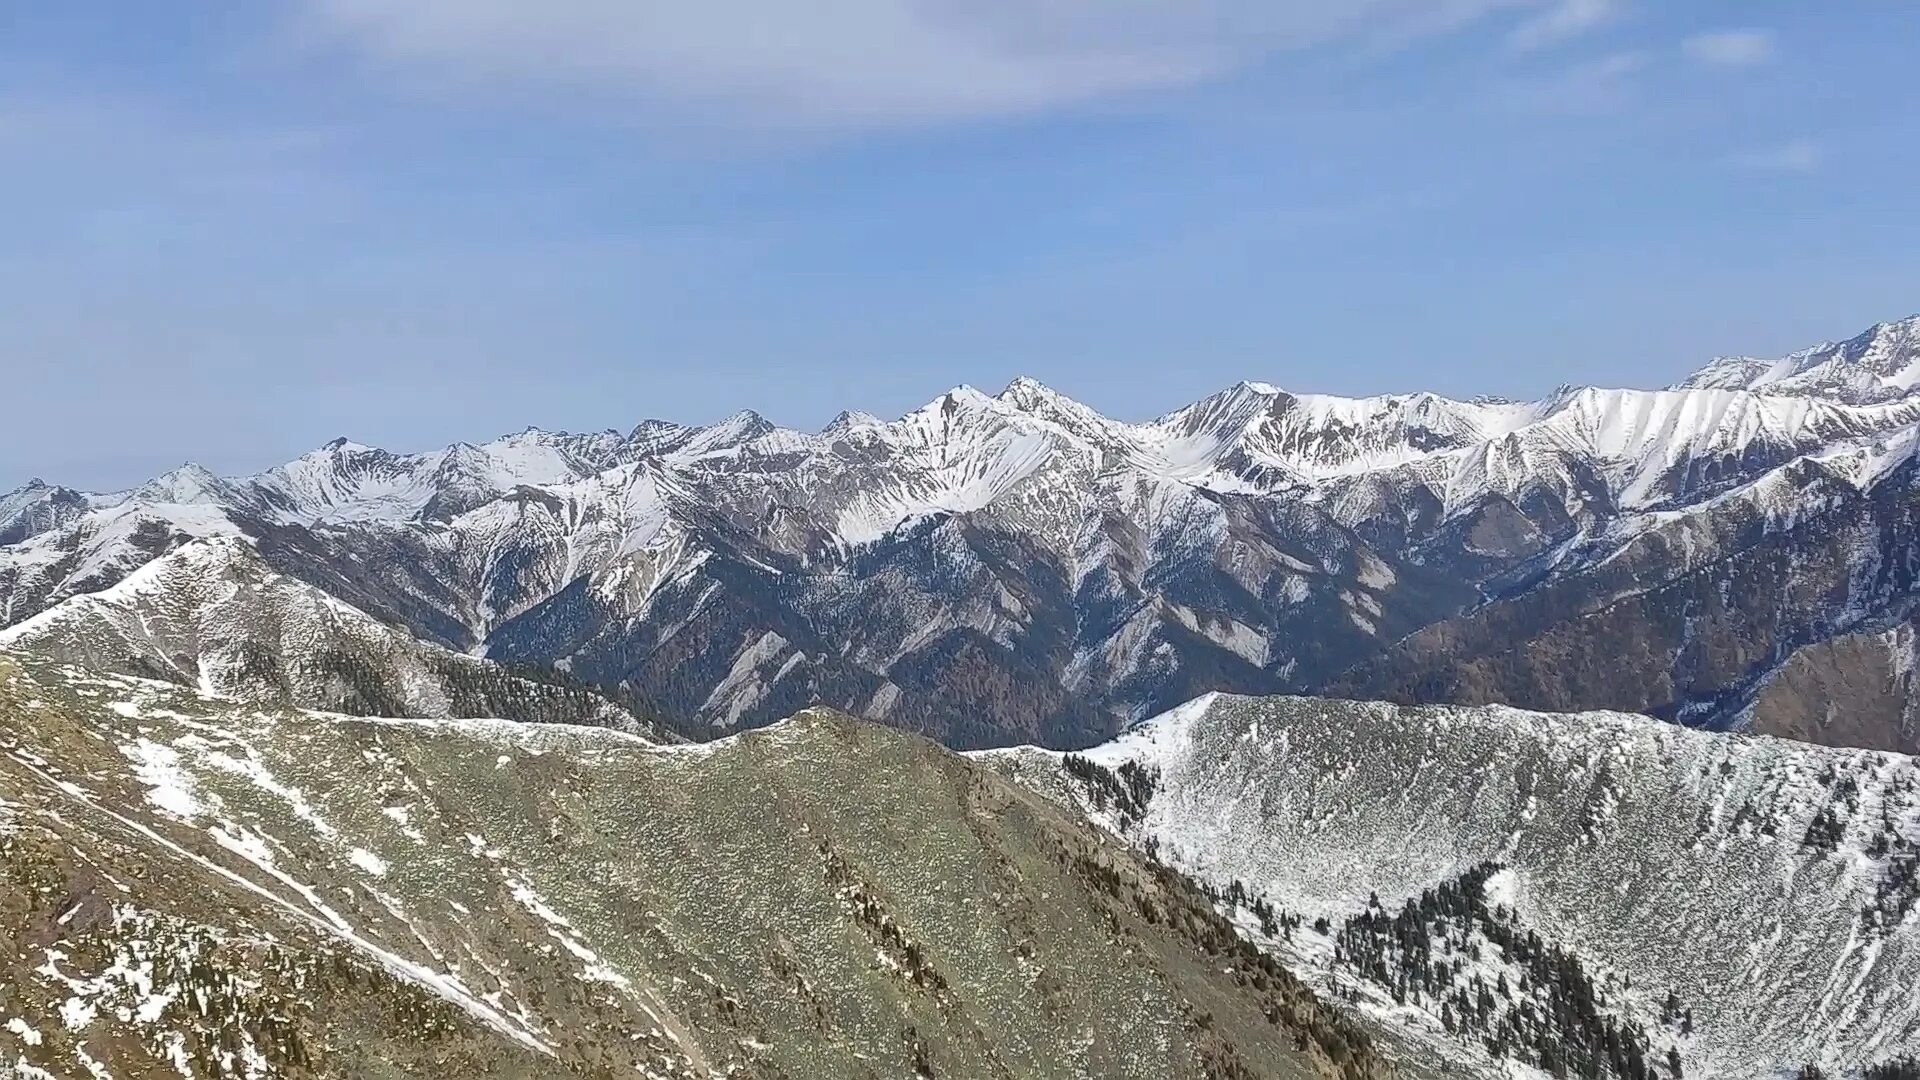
(863, 63)
(1565, 20)
(1798, 156)
(1730, 48)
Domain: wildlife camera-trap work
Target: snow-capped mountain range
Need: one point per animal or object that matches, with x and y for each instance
(1015, 567)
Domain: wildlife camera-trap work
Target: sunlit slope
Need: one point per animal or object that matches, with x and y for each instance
(819, 899)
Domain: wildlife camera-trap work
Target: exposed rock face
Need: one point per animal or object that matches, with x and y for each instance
(187, 880)
(1771, 887)
(1690, 618)
(997, 569)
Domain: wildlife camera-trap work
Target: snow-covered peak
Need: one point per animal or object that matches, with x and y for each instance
(1033, 396)
(722, 439)
(1024, 390)
(187, 485)
(31, 492)
(1038, 400)
(202, 562)
(849, 420)
(1880, 365)
(964, 396)
(37, 507)
(212, 566)
(652, 434)
(967, 414)
(1258, 429)
(965, 450)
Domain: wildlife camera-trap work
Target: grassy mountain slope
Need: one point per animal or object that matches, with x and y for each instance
(262, 891)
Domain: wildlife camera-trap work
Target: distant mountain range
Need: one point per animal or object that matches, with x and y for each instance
(211, 614)
(1016, 568)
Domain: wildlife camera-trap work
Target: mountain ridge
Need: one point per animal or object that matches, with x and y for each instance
(1889, 351)
(205, 887)
(1768, 885)
(1019, 556)
(212, 615)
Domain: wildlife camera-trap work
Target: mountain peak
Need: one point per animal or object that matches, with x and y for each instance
(849, 419)
(1025, 389)
(343, 446)
(742, 426)
(653, 430)
(1036, 399)
(962, 398)
(1878, 365)
(33, 486)
(1033, 396)
(189, 483)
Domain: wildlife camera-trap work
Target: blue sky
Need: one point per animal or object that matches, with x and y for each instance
(236, 235)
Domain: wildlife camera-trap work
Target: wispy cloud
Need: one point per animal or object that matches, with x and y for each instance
(1566, 19)
(865, 63)
(1798, 156)
(1730, 48)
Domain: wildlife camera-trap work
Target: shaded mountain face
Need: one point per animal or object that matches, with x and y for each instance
(1692, 616)
(187, 884)
(211, 614)
(38, 508)
(1852, 690)
(1586, 888)
(1018, 568)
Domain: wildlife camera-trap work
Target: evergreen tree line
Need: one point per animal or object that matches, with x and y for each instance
(1553, 1018)
(360, 685)
(1127, 790)
(1274, 922)
(1829, 826)
(1898, 888)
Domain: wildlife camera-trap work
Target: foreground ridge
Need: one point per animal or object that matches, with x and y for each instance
(195, 883)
